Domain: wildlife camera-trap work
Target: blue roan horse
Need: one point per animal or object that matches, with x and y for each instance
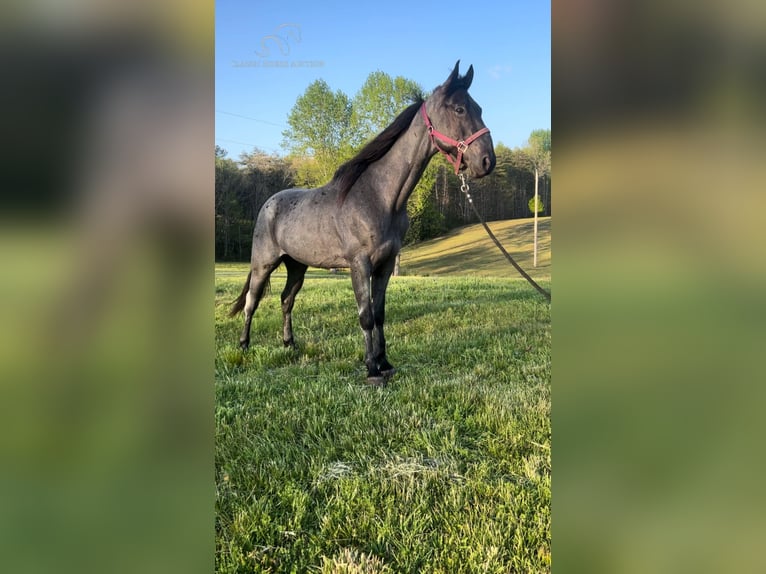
(358, 220)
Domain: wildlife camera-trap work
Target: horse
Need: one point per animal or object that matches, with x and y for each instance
(358, 220)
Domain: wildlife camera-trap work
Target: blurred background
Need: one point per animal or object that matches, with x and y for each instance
(106, 236)
(659, 275)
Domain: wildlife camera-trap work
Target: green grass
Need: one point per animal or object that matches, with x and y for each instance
(447, 469)
(469, 250)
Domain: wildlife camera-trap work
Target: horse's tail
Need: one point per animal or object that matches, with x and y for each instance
(239, 303)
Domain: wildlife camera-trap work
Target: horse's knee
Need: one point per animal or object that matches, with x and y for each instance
(366, 319)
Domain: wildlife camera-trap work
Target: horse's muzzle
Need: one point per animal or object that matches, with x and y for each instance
(482, 166)
(488, 163)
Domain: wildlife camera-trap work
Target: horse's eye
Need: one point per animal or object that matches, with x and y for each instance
(459, 110)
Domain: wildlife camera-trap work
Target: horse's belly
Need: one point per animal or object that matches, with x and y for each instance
(312, 241)
(313, 251)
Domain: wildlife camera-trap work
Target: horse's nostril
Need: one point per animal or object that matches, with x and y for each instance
(486, 163)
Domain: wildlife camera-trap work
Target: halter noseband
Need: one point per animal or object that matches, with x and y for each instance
(461, 145)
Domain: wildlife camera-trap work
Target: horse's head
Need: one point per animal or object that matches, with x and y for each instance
(456, 127)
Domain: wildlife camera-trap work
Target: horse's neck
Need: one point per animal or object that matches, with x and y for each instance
(396, 174)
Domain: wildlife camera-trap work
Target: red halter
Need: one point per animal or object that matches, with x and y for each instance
(461, 145)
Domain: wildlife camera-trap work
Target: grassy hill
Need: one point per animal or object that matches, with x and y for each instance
(469, 251)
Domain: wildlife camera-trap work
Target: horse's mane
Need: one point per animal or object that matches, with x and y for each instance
(347, 174)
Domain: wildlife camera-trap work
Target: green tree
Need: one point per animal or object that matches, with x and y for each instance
(380, 99)
(319, 127)
(425, 219)
(264, 175)
(535, 205)
(228, 210)
(506, 175)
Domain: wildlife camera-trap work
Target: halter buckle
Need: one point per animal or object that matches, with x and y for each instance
(462, 146)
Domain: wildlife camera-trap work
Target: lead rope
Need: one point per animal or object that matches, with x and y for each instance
(464, 188)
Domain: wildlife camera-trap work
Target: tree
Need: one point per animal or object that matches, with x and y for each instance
(319, 127)
(536, 205)
(538, 159)
(228, 210)
(241, 188)
(425, 220)
(264, 175)
(377, 103)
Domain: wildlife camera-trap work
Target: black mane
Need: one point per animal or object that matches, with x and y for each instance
(349, 172)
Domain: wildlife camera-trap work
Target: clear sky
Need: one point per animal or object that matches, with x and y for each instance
(268, 52)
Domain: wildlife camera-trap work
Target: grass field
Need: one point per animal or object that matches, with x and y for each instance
(447, 469)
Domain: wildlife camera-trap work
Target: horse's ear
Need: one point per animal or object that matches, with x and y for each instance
(468, 78)
(455, 82)
(454, 75)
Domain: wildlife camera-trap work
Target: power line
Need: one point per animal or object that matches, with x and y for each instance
(250, 118)
(236, 142)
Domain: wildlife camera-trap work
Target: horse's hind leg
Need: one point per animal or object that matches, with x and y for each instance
(258, 280)
(295, 274)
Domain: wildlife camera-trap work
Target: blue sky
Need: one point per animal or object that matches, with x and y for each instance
(268, 52)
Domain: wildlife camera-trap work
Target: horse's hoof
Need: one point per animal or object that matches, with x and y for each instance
(244, 345)
(377, 381)
(388, 373)
(290, 343)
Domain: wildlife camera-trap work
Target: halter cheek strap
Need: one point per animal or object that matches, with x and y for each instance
(461, 145)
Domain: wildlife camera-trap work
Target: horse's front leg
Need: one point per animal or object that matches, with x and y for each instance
(380, 280)
(361, 273)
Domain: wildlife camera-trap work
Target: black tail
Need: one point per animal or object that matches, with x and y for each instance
(239, 303)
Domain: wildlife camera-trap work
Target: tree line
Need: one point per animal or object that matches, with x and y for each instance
(326, 128)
